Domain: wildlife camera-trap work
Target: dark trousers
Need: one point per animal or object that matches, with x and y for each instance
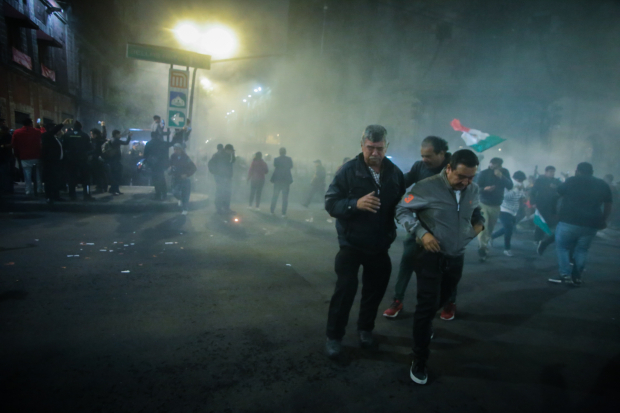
(277, 188)
(256, 191)
(508, 225)
(77, 173)
(223, 193)
(375, 278)
(411, 250)
(6, 177)
(51, 175)
(116, 174)
(98, 172)
(182, 189)
(314, 189)
(159, 183)
(438, 276)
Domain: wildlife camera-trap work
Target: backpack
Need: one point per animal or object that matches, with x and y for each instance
(107, 151)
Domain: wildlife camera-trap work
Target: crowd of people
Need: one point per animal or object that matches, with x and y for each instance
(61, 157)
(444, 202)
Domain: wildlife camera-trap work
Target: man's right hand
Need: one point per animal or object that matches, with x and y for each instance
(369, 203)
(430, 243)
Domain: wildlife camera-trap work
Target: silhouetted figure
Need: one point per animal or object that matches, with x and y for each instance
(281, 179)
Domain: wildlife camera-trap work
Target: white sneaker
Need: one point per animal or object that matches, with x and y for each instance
(180, 203)
(184, 213)
(508, 253)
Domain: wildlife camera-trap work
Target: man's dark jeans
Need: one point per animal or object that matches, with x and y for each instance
(159, 183)
(277, 188)
(508, 225)
(438, 276)
(223, 193)
(375, 278)
(411, 250)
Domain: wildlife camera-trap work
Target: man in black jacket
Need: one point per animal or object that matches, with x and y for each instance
(77, 146)
(362, 197)
(545, 196)
(282, 180)
(51, 161)
(492, 183)
(435, 157)
(156, 157)
(221, 166)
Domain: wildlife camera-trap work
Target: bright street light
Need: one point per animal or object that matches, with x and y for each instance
(206, 83)
(218, 41)
(232, 111)
(244, 100)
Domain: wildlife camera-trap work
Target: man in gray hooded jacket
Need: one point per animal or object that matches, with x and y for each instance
(447, 217)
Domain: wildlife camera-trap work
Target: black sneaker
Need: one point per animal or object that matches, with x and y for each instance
(576, 281)
(418, 372)
(333, 348)
(366, 339)
(482, 254)
(561, 280)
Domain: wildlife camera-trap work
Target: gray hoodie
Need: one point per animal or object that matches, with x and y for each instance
(434, 203)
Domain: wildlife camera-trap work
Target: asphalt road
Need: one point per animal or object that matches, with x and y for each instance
(166, 313)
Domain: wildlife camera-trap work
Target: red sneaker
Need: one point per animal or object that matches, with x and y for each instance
(448, 312)
(393, 310)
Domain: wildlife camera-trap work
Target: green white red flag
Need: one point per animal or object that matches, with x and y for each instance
(475, 139)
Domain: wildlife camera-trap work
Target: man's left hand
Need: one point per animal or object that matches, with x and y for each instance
(478, 228)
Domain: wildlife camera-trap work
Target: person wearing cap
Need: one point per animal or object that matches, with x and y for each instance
(221, 166)
(181, 168)
(318, 182)
(6, 159)
(26, 144)
(77, 146)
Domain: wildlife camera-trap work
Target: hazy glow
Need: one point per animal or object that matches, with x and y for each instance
(218, 41)
(206, 83)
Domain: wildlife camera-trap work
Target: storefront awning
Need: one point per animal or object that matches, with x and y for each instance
(21, 19)
(47, 39)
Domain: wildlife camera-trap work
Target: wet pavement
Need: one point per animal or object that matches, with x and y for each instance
(159, 312)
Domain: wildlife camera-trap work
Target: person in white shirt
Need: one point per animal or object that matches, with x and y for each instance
(509, 209)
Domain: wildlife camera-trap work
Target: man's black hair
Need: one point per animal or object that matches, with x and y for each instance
(464, 157)
(27, 122)
(156, 117)
(497, 161)
(519, 176)
(77, 125)
(282, 151)
(374, 133)
(438, 144)
(229, 146)
(220, 146)
(585, 168)
(550, 168)
(116, 132)
(96, 132)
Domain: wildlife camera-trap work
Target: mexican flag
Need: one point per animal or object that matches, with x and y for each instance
(478, 141)
(540, 222)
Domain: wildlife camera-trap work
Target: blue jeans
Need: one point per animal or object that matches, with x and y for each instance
(181, 190)
(573, 240)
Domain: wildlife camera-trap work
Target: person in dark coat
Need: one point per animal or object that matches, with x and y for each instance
(221, 166)
(52, 156)
(113, 159)
(281, 179)
(545, 196)
(96, 161)
(256, 177)
(363, 198)
(492, 182)
(76, 147)
(181, 168)
(156, 158)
